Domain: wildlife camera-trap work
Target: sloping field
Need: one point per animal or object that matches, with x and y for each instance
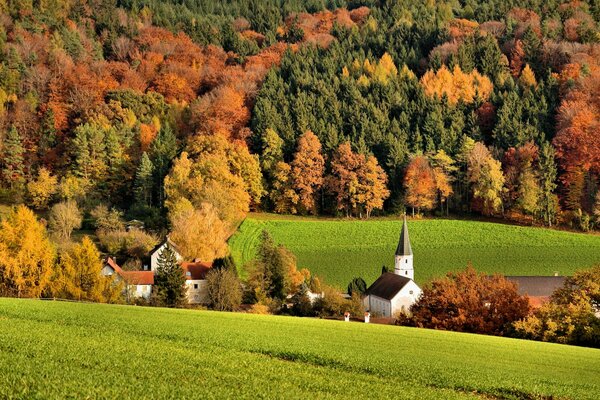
(57, 350)
(339, 250)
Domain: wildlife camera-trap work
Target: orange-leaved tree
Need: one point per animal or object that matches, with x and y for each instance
(307, 170)
(419, 182)
(468, 301)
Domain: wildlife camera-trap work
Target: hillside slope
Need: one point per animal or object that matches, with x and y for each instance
(339, 250)
(57, 350)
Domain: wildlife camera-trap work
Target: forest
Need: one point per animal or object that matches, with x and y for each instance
(183, 116)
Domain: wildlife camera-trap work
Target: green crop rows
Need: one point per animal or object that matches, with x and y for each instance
(339, 250)
(54, 350)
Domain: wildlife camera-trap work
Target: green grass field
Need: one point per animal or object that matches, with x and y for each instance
(51, 350)
(339, 250)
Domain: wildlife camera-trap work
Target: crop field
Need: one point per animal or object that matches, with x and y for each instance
(339, 250)
(51, 350)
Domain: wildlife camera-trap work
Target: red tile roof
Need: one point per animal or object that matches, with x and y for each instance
(197, 270)
(538, 301)
(132, 277)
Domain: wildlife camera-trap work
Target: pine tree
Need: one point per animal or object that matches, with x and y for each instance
(547, 170)
(169, 279)
(12, 159)
(162, 153)
(144, 181)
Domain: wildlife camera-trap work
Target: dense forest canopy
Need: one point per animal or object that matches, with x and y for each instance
(196, 110)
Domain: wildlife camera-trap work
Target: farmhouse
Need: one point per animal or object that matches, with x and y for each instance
(139, 284)
(156, 251)
(397, 291)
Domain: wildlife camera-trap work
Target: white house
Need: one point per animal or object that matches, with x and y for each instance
(195, 280)
(138, 284)
(156, 252)
(397, 291)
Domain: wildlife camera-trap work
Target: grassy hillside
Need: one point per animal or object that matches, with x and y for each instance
(58, 350)
(340, 250)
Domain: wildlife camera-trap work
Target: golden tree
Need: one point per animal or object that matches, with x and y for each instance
(307, 170)
(79, 275)
(373, 186)
(200, 233)
(42, 189)
(457, 85)
(26, 255)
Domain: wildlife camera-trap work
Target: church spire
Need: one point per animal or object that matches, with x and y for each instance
(404, 248)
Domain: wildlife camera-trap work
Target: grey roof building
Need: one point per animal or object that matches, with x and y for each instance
(537, 286)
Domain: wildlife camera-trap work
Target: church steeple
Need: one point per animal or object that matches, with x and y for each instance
(404, 248)
(404, 255)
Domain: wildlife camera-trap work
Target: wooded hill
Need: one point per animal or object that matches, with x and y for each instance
(179, 111)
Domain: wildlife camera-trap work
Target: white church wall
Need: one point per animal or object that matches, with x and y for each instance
(405, 298)
(378, 306)
(404, 266)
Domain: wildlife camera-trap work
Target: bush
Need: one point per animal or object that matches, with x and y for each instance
(224, 290)
(133, 243)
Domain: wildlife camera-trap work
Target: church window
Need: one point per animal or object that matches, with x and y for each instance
(195, 286)
(410, 292)
(406, 261)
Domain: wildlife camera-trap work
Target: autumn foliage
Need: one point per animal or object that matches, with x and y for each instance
(456, 85)
(468, 301)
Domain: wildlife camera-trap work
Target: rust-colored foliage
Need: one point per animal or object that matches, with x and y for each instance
(419, 182)
(469, 301)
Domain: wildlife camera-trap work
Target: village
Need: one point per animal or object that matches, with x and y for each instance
(390, 295)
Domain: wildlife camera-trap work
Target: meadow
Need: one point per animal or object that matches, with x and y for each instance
(54, 350)
(339, 250)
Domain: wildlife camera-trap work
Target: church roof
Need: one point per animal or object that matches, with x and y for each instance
(537, 285)
(404, 248)
(387, 285)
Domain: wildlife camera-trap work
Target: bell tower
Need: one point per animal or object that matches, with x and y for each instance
(404, 255)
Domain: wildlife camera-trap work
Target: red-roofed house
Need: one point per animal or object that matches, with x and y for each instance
(138, 284)
(195, 275)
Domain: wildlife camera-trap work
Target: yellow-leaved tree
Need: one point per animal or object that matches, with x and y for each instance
(199, 233)
(457, 85)
(42, 189)
(26, 255)
(78, 276)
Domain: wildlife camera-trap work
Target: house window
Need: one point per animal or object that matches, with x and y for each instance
(195, 286)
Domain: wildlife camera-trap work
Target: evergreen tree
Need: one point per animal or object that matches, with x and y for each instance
(12, 159)
(227, 263)
(547, 171)
(162, 153)
(144, 182)
(271, 260)
(358, 286)
(169, 279)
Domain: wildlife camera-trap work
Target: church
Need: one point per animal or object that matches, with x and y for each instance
(394, 292)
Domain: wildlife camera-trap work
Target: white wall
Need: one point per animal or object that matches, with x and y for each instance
(377, 306)
(197, 291)
(405, 298)
(154, 257)
(404, 266)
